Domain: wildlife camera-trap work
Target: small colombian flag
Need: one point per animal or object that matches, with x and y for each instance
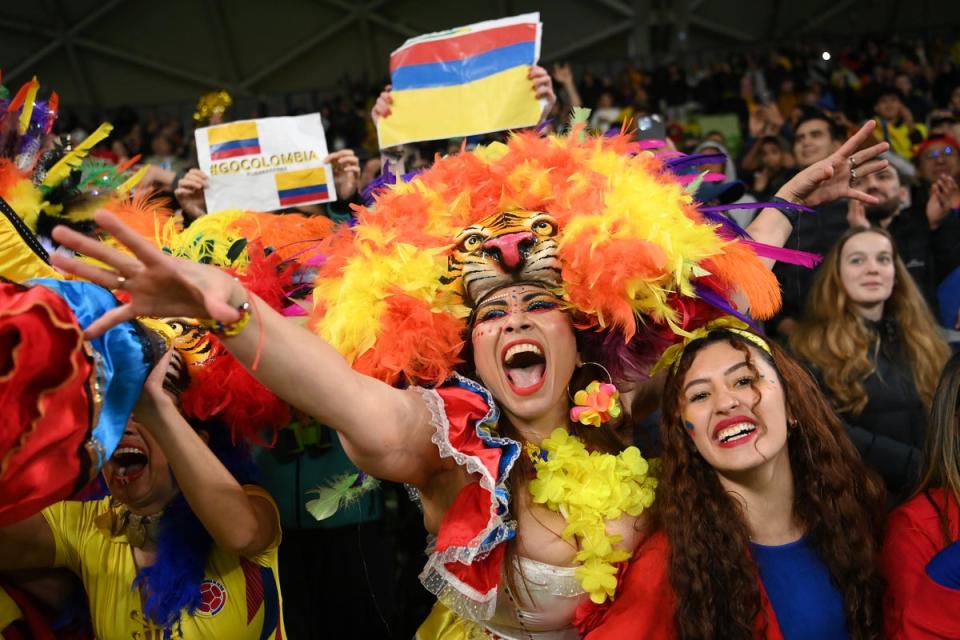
(233, 140)
(302, 187)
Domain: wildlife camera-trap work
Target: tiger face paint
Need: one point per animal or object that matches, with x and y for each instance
(525, 351)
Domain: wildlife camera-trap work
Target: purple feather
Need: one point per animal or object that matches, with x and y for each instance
(627, 361)
(543, 125)
(726, 223)
(381, 182)
(715, 300)
(757, 205)
(683, 162)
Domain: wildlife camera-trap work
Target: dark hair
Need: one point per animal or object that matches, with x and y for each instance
(774, 140)
(941, 455)
(887, 90)
(835, 130)
(838, 502)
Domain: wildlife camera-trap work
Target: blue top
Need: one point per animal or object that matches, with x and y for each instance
(807, 604)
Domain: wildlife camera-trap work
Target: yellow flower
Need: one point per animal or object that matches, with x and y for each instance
(589, 488)
(598, 579)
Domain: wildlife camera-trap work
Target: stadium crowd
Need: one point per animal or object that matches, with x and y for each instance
(873, 327)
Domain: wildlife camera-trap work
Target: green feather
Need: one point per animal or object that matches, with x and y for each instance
(338, 494)
(580, 115)
(72, 161)
(693, 186)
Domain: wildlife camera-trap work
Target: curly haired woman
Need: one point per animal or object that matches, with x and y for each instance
(876, 348)
(769, 524)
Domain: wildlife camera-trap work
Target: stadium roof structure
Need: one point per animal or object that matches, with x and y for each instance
(103, 53)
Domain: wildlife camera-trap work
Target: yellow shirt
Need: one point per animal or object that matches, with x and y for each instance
(9, 611)
(241, 596)
(901, 137)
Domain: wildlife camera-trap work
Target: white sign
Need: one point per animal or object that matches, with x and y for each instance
(265, 164)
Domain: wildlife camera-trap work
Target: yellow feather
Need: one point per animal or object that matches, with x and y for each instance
(209, 239)
(59, 172)
(28, 104)
(133, 180)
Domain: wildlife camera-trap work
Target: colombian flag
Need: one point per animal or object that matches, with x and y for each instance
(301, 187)
(233, 140)
(465, 81)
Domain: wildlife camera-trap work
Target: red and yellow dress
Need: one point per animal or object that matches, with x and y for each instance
(465, 565)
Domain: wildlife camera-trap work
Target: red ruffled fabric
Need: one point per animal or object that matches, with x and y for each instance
(464, 569)
(46, 417)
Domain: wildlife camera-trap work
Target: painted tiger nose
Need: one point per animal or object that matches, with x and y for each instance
(510, 248)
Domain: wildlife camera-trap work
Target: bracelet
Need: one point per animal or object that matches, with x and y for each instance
(231, 329)
(790, 213)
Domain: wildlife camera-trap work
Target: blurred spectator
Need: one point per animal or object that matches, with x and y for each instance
(937, 157)
(163, 155)
(729, 191)
(938, 168)
(907, 224)
(896, 123)
(607, 114)
(914, 100)
(817, 136)
(870, 338)
(774, 166)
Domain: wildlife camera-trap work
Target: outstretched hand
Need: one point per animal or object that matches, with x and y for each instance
(159, 284)
(836, 176)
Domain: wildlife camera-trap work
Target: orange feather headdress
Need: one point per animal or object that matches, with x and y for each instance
(637, 258)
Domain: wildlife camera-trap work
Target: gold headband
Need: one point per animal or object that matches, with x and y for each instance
(671, 356)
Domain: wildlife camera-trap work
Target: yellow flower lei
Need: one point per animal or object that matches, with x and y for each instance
(587, 489)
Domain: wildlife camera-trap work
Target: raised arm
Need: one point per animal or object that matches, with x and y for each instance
(240, 523)
(832, 178)
(384, 430)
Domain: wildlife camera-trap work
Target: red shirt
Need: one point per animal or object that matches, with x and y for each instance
(645, 602)
(915, 605)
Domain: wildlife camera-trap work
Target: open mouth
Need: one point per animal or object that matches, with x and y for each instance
(732, 435)
(129, 463)
(524, 365)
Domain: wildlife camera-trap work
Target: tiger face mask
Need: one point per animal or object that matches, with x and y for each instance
(512, 246)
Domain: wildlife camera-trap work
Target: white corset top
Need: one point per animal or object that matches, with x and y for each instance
(544, 609)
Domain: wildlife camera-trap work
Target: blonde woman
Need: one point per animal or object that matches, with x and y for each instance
(873, 342)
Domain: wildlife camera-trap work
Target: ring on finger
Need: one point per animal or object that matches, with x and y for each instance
(120, 282)
(853, 163)
(853, 174)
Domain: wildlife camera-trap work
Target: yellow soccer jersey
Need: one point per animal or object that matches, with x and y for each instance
(241, 596)
(9, 611)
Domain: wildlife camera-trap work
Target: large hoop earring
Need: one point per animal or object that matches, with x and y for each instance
(598, 403)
